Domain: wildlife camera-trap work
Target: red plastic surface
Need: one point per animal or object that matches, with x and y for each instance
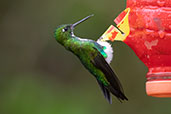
(150, 36)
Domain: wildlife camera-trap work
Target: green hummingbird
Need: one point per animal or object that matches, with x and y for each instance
(95, 56)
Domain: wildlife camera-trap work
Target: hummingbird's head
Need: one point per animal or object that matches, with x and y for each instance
(65, 32)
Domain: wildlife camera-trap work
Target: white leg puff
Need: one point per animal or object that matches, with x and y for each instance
(108, 50)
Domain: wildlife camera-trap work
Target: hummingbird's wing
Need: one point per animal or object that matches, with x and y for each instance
(115, 86)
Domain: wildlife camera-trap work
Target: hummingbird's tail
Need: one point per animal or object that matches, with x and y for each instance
(105, 91)
(119, 94)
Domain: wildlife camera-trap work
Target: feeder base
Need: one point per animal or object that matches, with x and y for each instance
(158, 88)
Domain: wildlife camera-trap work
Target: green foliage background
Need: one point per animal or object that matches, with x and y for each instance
(38, 76)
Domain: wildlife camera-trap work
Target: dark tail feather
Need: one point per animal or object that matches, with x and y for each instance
(105, 92)
(119, 94)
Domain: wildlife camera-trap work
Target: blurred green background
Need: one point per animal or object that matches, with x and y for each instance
(38, 76)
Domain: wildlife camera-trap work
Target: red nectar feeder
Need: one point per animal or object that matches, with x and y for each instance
(150, 39)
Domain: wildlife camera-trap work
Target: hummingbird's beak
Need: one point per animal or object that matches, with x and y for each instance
(82, 20)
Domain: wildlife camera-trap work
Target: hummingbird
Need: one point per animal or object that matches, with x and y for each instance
(95, 57)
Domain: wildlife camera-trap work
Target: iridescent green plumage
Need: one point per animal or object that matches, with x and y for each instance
(92, 56)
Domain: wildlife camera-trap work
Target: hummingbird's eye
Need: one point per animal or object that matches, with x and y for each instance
(64, 29)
